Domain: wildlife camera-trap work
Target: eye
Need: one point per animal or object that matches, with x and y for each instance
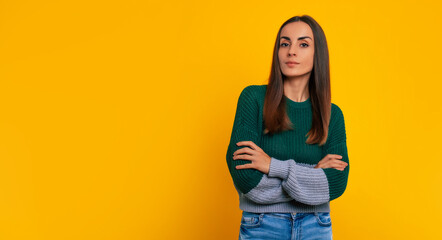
(305, 44)
(282, 44)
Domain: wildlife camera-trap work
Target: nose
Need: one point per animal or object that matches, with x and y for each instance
(292, 50)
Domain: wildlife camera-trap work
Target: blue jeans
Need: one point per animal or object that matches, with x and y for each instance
(286, 226)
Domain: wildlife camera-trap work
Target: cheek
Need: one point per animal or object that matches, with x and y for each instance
(279, 56)
(312, 57)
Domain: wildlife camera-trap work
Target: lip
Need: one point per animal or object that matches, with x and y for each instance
(292, 62)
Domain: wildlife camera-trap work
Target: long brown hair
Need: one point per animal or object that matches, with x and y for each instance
(275, 115)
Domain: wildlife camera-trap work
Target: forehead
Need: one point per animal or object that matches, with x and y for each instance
(294, 30)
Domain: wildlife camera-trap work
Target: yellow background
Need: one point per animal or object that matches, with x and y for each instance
(115, 116)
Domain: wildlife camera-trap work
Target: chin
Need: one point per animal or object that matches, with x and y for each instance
(293, 74)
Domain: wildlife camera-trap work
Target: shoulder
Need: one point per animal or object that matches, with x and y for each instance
(336, 111)
(337, 118)
(253, 93)
(254, 89)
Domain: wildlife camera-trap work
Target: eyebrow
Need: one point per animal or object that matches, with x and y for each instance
(300, 38)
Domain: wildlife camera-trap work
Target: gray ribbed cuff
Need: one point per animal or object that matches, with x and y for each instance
(279, 168)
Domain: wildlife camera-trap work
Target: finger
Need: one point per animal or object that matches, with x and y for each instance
(338, 161)
(342, 163)
(255, 147)
(340, 168)
(242, 157)
(243, 150)
(248, 143)
(334, 156)
(339, 164)
(244, 166)
(331, 164)
(334, 159)
(334, 164)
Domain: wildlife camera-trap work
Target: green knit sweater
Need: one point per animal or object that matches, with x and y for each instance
(292, 184)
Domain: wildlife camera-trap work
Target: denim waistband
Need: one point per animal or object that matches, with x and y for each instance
(289, 216)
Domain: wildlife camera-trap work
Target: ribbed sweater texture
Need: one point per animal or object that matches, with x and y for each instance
(292, 184)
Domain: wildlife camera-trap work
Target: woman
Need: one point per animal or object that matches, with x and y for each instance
(288, 154)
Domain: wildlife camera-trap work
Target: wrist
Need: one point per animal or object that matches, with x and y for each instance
(278, 168)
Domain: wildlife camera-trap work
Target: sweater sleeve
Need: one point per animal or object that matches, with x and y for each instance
(254, 184)
(315, 186)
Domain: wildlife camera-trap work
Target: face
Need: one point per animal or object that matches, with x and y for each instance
(296, 45)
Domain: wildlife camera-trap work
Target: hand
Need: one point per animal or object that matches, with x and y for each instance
(332, 161)
(260, 160)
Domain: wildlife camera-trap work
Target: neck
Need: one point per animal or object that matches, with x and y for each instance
(296, 89)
